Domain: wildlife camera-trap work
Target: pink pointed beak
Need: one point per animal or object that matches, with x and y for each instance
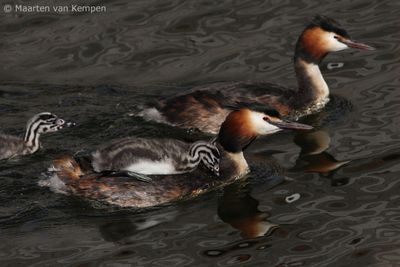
(354, 44)
(290, 125)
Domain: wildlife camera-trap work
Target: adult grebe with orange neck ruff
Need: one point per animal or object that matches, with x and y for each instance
(204, 107)
(237, 132)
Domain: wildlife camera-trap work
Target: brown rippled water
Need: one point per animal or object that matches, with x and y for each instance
(96, 68)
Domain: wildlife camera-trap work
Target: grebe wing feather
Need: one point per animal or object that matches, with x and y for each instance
(234, 90)
(256, 106)
(121, 174)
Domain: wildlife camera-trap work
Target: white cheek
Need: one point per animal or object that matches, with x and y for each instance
(269, 129)
(334, 45)
(261, 126)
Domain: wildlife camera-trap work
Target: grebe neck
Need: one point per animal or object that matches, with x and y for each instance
(313, 92)
(31, 137)
(233, 165)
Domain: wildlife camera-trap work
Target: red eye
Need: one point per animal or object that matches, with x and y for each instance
(267, 119)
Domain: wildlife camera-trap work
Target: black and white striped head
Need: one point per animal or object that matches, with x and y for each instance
(45, 122)
(207, 153)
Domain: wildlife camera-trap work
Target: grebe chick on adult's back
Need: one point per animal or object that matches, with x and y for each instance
(155, 156)
(204, 107)
(45, 122)
(239, 129)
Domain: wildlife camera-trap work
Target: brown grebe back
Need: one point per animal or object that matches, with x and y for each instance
(204, 107)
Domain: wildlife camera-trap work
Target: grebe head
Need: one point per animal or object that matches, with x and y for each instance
(242, 126)
(211, 159)
(207, 153)
(323, 35)
(46, 122)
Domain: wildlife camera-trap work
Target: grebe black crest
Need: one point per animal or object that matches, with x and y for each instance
(42, 123)
(328, 24)
(239, 129)
(205, 107)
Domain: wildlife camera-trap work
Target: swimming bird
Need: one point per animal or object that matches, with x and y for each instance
(45, 122)
(237, 132)
(205, 107)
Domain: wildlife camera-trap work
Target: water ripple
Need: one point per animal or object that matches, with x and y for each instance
(71, 65)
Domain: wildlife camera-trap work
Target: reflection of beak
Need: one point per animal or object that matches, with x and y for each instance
(313, 142)
(353, 44)
(291, 125)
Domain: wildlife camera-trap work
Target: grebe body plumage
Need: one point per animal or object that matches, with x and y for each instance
(204, 107)
(238, 130)
(151, 156)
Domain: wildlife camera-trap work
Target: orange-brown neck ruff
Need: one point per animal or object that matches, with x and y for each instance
(311, 46)
(236, 131)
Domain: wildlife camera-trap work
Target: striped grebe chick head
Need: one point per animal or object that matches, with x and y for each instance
(44, 122)
(242, 126)
(323, 35)
(47, 122)
(206, 153)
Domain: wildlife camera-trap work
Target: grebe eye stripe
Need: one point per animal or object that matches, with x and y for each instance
(208, 162)
(47, 117)
(214, 149)
(206, 156)
(212, 160)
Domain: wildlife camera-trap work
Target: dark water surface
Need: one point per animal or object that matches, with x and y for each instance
(341, 207)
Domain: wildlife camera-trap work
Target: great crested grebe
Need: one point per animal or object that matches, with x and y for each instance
(204, 107)
(45, 122)
(238, 130)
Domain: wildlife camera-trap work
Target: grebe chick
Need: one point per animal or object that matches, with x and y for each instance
(204, 107)
(239, 129)
(155, 156)
(45, 122)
